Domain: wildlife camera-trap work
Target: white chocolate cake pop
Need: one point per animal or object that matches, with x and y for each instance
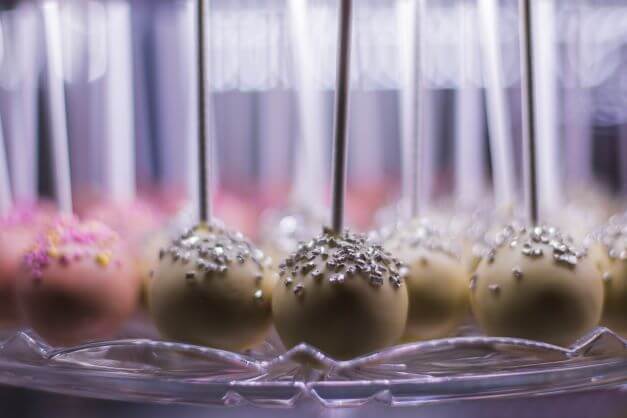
(77, 284)
(341, 294)
(435, 278)
(212, 287)
(610, 252)
(535, 284)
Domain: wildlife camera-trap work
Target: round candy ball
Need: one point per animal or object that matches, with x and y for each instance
(18, 232)
(341, 294)
(212, 287)
(610, 252)
(437, 283)
(535, 284)
(77, 284)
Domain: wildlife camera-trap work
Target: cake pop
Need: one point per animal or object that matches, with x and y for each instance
(435, 278)
(339, 292)
(211, 286)
(342, 294)
(77, 283)
(18, 231)
(535, 283)
(609, 249)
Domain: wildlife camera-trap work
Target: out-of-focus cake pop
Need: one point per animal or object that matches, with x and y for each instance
(609, 249)
(211, 285)
(435, 278)
(535, 283)
(77, 283)
(18, 231)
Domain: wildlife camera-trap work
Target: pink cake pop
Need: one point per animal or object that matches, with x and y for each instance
(77, 283)
(18, 230)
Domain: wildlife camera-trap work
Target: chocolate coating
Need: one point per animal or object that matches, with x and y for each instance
(212, 287)
(341, 294)
(435, 278)
(535, 284)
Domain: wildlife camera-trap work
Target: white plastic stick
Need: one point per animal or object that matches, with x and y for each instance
(407, 31)
(5, 186)
(546, 92)
(579, 107)
(21, 132)
(56, 105)
(499, 124)
(469, 155)
(416, 144)
(119, 112)
(309, 179)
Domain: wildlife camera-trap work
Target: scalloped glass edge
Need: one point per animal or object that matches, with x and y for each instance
(442, 370)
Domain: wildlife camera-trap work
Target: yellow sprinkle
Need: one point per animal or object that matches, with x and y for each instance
(53, 252)
(103, 259)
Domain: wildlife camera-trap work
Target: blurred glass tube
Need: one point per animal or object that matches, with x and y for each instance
(6, 199)
(309, 169)
(175, 94)
(119, 117)
(20, 59)
(56, 107)
(499, 124)
(84, 47)
(469, 131)
(546, 91)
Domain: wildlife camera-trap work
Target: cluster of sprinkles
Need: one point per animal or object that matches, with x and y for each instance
(532, 243)
(214, 250)
(424, 235)
(343, 257)
(613, 237)
(70, 241)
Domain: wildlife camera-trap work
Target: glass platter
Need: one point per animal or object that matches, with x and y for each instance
(139, 367)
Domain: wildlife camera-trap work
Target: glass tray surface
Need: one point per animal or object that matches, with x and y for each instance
(140, 367)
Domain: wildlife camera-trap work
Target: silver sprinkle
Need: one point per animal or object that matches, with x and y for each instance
(494, 288)
(517, 273)
(299, 289)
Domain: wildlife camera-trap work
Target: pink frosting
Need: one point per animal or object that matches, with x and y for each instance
(70, 240)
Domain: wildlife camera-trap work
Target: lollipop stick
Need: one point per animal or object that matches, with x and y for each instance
(469, 155)
(204, 142)
(419, 146)
(413, 141)
(5, 187)
(119, 129)
(546, 99)
(56, 106)
(496, 101)
(407, 37)
(341, 115)
(308, 183)
(528, 110)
